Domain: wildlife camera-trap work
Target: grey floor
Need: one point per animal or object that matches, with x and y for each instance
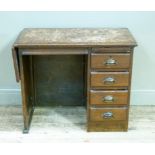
(67, 124)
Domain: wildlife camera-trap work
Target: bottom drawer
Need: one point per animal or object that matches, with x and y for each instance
(106, 114)
(107, 126)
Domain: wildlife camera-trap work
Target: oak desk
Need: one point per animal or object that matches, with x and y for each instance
(89, 67)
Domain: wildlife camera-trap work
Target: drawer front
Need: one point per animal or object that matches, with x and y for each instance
(108, 97)
(106, 79)
(106, 114)
(112, 50)
(116, 61)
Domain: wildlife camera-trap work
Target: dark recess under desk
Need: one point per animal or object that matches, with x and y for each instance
(60, 80)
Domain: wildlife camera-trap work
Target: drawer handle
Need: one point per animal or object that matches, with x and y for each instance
(109, 80)
(110, 61)
(108, 98)
(107, 115)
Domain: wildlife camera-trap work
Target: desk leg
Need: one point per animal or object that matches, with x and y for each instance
(27, 90)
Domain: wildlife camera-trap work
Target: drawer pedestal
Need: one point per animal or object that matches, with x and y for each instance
(110, 76)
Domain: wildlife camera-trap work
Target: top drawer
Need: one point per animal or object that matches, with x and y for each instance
(110, 61)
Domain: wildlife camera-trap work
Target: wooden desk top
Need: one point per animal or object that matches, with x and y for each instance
(75, 37)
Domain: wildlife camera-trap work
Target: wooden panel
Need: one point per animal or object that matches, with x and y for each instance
(111, 49)
(27, 90)
(55, 51)
(75, 37)
(109, 79)
(108, 97)
(110, 61)
(60, 80)
(107, 126)
(15, 57)
(108, 114)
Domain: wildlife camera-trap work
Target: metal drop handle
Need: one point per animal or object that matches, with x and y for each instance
(110, 61)
(109, 80)
(107, 115)
(108, 98)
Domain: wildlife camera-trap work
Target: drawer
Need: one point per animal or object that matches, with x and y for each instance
(107, 126)
(112, 50)
(109, 79)
(106, 114)
(109, 97)
(111, 61)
